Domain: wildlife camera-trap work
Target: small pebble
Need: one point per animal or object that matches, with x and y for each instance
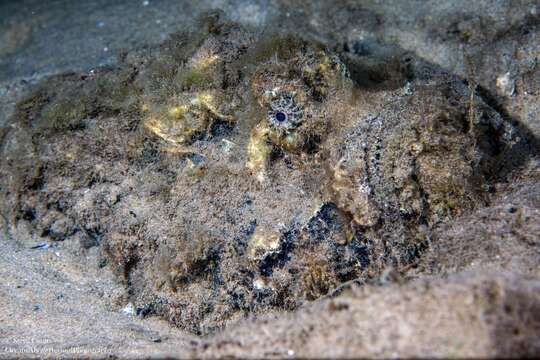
(506, 84)
(290, 353)
(128, 310)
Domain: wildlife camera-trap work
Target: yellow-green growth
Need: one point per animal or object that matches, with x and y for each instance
(317, 279)
(263, 242)
(186, 117)
(196, 77)
(259, 149)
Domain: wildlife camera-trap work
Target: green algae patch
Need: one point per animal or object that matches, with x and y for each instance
(65, 114)
(197, 77)
(65, 102)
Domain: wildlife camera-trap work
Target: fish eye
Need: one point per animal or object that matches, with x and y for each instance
(281, 116)
(284, 112)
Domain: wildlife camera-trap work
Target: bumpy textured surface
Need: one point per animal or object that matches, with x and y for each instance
(224, 173)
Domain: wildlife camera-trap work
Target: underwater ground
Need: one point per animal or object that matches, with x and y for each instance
(269, 179)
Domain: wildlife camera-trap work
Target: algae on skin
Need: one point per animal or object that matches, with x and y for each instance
(238, 230)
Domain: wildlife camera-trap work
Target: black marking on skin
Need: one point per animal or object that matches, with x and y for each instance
(282, 256)
(323, 223)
